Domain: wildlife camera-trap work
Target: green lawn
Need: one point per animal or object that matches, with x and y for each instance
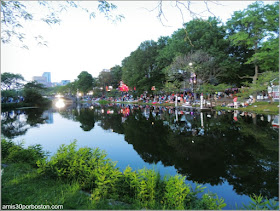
(21, 184)
(258, 107)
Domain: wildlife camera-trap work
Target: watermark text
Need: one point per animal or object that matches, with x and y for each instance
(31, 207)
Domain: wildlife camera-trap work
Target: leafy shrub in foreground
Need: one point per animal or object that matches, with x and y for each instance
(259, 203)
(106, 179)
(15, 153)
(176, 192)
(142, 188)
(89, 167)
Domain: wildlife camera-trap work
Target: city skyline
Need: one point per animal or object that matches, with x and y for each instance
(46, 80)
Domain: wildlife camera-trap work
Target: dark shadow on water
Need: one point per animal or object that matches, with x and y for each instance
(211, 147)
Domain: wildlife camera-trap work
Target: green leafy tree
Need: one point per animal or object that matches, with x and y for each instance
(32, 93)
(205, 67)
(105, 78)
(269, 55)
(68, 89)
(209, 36)
(141, 69)
(6, 94)
(85, 82)
(199, 38)
(116, 72)
(251, 28)
(264, 80)
(11, 85)
(11, 81)
(172, 46)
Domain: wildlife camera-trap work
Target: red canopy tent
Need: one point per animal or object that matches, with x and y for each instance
(123, 87)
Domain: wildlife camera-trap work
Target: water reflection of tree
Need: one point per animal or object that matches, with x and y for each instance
(35, 117)
(244, 154)
(147, 137)
(111, 120)
(256, 165)
(86, 116)
(16, 123)
(11, 126)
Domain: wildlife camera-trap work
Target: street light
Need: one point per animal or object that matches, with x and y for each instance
(192, 78)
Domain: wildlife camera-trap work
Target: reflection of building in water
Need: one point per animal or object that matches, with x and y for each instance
(48, 115)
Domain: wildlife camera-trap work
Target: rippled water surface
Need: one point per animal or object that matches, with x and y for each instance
(233, 154)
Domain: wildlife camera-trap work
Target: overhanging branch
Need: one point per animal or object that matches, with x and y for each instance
(246, 76)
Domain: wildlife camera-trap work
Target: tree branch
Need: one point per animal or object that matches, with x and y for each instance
(246, 76)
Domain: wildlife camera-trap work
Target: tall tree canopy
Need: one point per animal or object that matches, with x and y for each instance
(256, 30)
(11, 81)
(116, 73)
(141, 70)
(85, 82)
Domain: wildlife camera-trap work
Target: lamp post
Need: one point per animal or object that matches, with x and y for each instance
(192, 79)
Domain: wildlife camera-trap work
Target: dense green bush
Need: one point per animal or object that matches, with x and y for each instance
(259, 203)
(15, 153)
(85, 165)
(93, 172)
(143, 188)
(176, 192)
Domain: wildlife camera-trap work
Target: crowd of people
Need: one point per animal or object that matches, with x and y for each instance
(182, 98)
(12, 99)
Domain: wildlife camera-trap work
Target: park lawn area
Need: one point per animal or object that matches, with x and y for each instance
(257, 107)
(21, 184)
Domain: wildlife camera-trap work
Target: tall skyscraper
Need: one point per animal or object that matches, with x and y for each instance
(48, 76)
(40, 79)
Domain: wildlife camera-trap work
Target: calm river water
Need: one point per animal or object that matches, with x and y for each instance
(233, 154)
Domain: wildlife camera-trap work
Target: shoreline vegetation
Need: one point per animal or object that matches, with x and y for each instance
(85, 178)
(257, 107)
(23, 105)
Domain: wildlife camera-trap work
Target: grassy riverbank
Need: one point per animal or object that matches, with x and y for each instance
(258, 107)
(86, 179)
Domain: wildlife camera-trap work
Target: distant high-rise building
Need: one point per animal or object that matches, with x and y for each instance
(48, 76)
(40, 79)
(44, 79)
